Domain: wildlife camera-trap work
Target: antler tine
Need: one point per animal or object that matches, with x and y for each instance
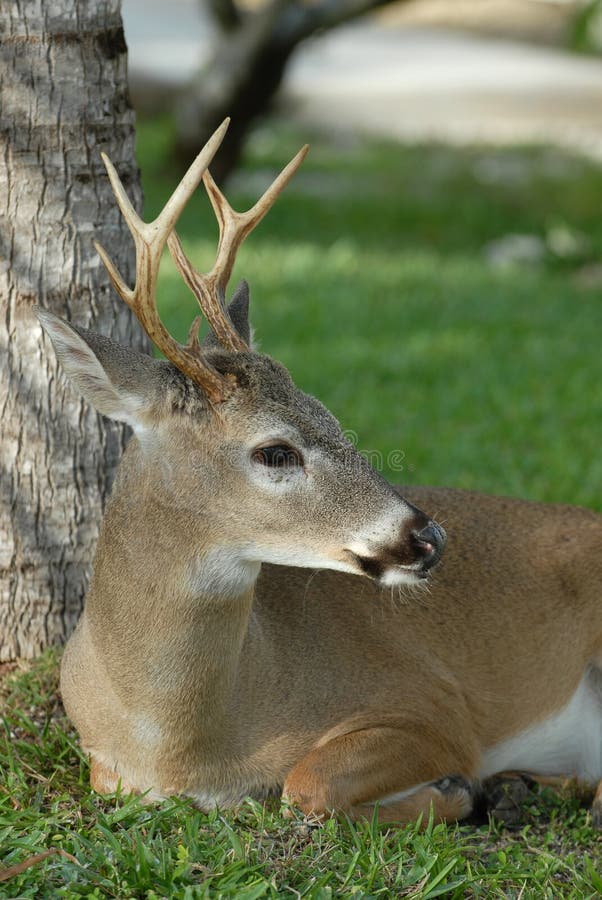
(168, 217)
(209, 300)
(150, 238)
(210, 288)
(234, 226)
(155, 233)
(267, 200)
(192, 343)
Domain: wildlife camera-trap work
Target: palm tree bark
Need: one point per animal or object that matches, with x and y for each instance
(63, 99)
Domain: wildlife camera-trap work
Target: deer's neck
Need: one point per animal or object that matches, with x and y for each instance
(168, 610)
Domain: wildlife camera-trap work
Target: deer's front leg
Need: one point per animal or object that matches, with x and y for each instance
(397, 767)
(105, 780)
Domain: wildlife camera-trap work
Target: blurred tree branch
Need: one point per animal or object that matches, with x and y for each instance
(225, 13)
(253, 47)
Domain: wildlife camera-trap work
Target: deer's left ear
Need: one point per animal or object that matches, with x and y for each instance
(118, 382)
(238, 310)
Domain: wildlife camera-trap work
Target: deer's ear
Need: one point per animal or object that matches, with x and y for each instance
(238, 310)
(116, 381)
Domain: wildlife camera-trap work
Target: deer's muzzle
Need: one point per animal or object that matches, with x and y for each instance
(428, 544)
(409, 559)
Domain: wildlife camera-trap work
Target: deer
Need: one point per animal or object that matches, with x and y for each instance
(269, 617)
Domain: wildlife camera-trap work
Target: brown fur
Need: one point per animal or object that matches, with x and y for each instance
(325, 683)
(320, 684)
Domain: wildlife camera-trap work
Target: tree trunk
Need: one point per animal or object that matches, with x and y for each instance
(247, 67)
(240, 80)
(63, 99)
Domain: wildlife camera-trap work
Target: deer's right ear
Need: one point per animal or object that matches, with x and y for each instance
(238, 310)
(114, 380)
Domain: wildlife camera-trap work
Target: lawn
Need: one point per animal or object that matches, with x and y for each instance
(371, 282)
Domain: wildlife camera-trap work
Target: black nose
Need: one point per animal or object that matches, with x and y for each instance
(428, 544)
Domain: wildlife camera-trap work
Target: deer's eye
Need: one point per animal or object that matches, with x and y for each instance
(278, 456)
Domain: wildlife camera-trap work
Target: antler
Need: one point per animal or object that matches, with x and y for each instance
(149, 239)
(210, 288)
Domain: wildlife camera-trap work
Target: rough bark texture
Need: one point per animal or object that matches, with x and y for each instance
(246, 69)
(63, 99)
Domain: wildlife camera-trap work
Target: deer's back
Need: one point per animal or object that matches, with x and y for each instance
(507, 611)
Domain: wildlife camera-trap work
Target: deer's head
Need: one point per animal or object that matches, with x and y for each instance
(260, 468)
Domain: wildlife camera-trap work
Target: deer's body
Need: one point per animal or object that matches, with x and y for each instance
(205, 665)
(229, 697)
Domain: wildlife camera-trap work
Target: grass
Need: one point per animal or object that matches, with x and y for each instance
(370, 283)
(120, 848)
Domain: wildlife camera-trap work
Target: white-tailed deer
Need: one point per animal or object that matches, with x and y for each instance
(210, 662)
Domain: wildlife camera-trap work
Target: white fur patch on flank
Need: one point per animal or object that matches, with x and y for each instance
(567, 743)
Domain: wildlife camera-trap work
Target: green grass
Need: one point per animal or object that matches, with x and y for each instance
(122, 849)
(369, 282)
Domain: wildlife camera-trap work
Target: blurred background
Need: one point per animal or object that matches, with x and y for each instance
(434, 272)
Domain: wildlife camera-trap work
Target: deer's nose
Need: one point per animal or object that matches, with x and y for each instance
(428, 543)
